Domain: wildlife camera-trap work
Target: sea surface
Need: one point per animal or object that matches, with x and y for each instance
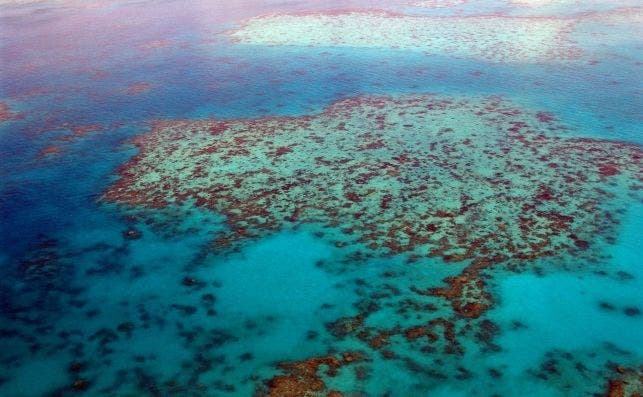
(302, 198)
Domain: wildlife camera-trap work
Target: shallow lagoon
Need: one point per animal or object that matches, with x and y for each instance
(253, 289)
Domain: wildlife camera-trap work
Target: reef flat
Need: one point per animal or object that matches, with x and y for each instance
(474, 181)
(489, 38)
(430, 175)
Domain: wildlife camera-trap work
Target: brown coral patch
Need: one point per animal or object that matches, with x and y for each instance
(627, 382)
(6, 114)
(304, 378)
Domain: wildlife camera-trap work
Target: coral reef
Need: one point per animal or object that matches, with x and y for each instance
(627, 382)
(494, 38)
(6, 114)
(475, 180)
(303, 378)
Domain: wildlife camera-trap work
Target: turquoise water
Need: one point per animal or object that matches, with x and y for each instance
(105, 298)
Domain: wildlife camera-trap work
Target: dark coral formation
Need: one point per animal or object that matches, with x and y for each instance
(627, 382)
(302, 378)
